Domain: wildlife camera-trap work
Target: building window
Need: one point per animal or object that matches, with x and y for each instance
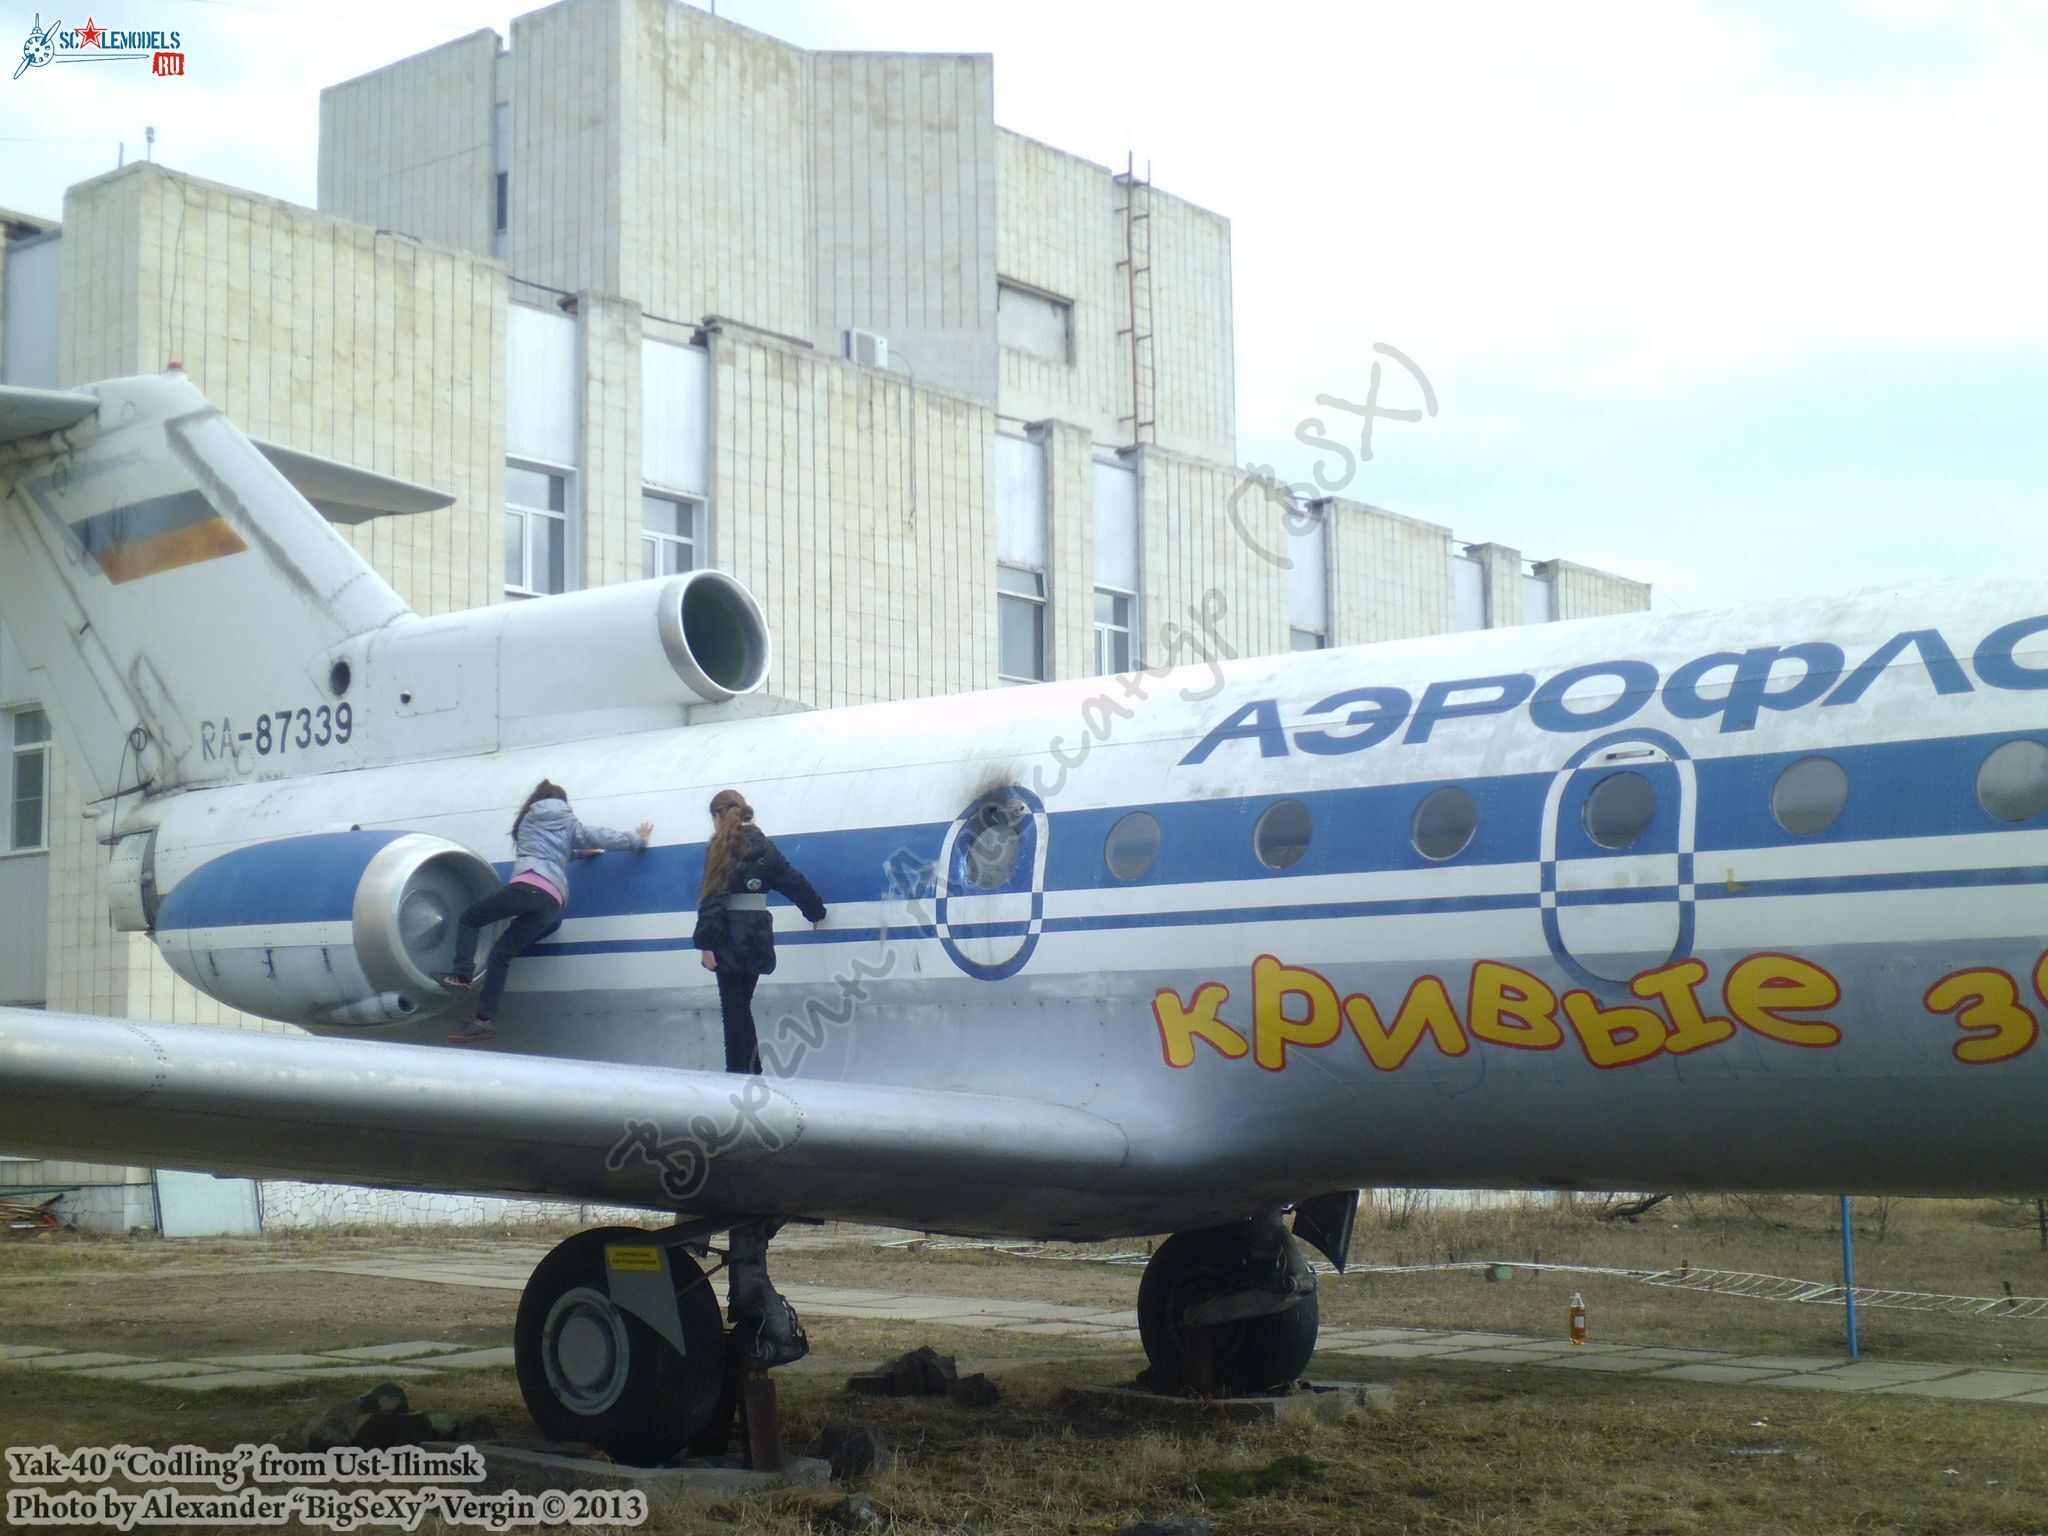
(669, 534)
(1306, 640)
(536, 530)
(1112, 632)
(1034, 321)
(1020, 625)
(28, 780)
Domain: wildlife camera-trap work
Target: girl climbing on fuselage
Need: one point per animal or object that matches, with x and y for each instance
(545, 836)
(735, 931)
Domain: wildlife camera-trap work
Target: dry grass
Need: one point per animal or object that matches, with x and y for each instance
(1504, 1453)
(1467, 1449)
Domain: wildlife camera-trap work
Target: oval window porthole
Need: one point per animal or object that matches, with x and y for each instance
(1809, 796)
(2013, 782)
(1282, 833)
(1132, 847)
(1620, 809)
(993, 843)
(1444, 823)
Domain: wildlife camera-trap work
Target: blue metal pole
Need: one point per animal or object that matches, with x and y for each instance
(1849, 1276)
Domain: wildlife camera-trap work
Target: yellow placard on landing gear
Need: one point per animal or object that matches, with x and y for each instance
(637, 1260)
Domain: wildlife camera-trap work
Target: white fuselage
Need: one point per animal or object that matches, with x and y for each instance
(1679, 982)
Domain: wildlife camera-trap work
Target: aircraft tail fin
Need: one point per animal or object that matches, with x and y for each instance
(174, 594)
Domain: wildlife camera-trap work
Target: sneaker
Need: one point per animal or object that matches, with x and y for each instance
(454, 981)
(475, 1032)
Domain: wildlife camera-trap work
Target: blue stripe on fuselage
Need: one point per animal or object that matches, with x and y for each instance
(1896, 790)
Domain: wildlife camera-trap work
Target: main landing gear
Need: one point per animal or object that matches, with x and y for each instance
(1231, 1311)
(619, 1343)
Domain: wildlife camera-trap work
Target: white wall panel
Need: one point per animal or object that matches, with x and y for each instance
(1020, 501)
(1537, 607)
(540, 385)
(34, 268)
(1308, 578)
(1468, 594)
(1115, 489)
(675, 416)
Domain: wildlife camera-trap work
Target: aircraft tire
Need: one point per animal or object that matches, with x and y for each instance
(591, 1372)
(1249, 1356)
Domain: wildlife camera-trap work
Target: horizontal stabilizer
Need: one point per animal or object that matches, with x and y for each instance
(26, 413)
(489, 1122)
(345, 494)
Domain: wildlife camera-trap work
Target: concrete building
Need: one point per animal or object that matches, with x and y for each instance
(646, 290)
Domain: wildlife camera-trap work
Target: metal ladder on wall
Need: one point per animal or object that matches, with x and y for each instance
(1135, 205)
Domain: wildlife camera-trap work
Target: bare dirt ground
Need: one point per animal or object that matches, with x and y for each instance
(1466, 1449)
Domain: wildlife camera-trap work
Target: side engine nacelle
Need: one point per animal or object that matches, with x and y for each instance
(333, 930)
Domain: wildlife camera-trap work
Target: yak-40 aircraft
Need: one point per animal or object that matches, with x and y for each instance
(1749, 901)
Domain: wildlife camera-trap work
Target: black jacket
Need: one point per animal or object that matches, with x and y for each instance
(745, 941)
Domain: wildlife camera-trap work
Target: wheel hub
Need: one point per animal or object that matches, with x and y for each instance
(584, 1350)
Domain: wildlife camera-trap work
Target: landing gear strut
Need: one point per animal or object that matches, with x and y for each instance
(1228, 1311)
(619, 1343)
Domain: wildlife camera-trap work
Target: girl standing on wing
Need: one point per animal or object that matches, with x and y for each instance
(545, 836)
(735, 932)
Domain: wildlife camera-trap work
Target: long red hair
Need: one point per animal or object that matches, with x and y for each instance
(730, 817)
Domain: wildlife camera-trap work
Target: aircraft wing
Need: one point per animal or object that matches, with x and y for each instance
(238, 1102)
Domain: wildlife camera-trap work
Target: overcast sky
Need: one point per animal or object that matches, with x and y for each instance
(1745, 300)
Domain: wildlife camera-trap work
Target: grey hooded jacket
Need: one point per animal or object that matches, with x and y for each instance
(551, 834)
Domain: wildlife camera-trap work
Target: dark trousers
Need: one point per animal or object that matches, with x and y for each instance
(736, 1006)
(534, 913)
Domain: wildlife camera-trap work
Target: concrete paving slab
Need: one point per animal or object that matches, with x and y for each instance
(24, 1351)
(1974, 1386)
(382, 1370)
(1675, 1356)
(1823, 1381)
(1494, 1357)
(1399, 1335)
(1889, 1373)
(1397, 1351)
(265, 1362)
(75, 1361)
(1481, 1340)
(402, 1351)
(1728, 1375)
(2031, 1397)
(468, 1360)
(1546, 1349)
(1788, 1362)
(151, 1370)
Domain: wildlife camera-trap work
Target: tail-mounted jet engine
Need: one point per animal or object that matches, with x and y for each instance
(332, 931)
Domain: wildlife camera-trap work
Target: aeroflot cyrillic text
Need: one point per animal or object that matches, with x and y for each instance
(1734, 686)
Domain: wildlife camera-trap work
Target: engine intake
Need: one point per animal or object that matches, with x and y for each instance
(336, 930)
